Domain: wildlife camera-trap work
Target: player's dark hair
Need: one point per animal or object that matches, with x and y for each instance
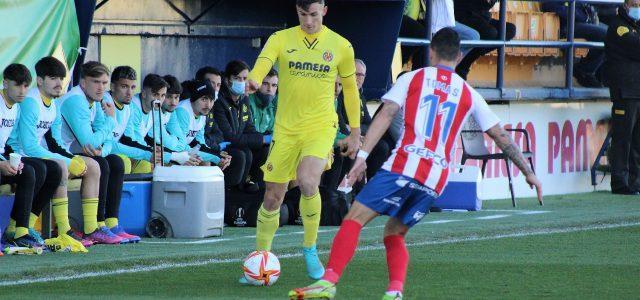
(174, 84)
(304, 4)
(50, 66)
(18, 73)
(123, 72)
(154, 82)
(202, 72)
(446, 44)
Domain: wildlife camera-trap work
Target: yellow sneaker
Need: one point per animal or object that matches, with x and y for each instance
(321, 289)
(74, 245)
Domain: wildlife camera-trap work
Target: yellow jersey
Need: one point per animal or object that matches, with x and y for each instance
(308, 66)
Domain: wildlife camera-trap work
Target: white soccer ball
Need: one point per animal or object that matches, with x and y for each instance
(261, 268)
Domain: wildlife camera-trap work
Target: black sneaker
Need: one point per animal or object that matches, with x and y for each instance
(27, 241)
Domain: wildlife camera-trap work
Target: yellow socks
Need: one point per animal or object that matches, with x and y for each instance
(268, 223)
(32, 220)
(20, 232)
(12, 226)
(102, 224)
(60, 208)
(111, 222)
(90, 214)
(310, 211)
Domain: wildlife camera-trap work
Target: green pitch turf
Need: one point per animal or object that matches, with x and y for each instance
(576, 246)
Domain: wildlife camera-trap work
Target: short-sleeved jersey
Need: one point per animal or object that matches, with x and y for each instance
(308, 66)
(437, 102)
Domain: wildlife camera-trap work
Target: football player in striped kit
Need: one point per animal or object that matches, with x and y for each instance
(436, 102)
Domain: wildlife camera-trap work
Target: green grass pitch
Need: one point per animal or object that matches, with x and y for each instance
(583, 246)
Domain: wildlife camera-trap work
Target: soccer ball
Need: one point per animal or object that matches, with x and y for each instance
(261, 268)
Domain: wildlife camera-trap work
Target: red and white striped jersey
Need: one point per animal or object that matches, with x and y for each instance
(436, 102)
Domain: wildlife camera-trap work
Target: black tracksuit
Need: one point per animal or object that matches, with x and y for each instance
(622, 73)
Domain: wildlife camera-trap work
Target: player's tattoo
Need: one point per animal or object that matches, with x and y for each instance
(504, 141)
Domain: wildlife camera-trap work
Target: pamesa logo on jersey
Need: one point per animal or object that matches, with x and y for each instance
(308, 69)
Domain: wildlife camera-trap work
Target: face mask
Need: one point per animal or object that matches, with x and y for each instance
(265, 99)
(216, 96)
(634, 13)
(237, 87)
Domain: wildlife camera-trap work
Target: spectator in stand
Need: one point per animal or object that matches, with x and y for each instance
(382, 150)
(442, 16)
(475, 14)
(263, 103)
(586, 27)
(248, 147)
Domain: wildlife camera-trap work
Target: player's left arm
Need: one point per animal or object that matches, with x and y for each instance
(347, 71)
(490, 123)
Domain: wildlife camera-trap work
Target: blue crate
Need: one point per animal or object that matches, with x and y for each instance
(135, 207)
(462, 192)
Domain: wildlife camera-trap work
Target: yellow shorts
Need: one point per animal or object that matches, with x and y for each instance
(287, 150)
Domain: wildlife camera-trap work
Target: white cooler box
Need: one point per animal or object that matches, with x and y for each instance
(188, 202)
(463, 190)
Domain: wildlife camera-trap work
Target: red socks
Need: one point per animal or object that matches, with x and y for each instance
(344, 246)
(397, 261)
(342, 250)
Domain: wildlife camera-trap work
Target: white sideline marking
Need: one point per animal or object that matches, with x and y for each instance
(518, 211)
(533, 212)
(163, 266)
(212, 241)
(492, 217)
(440, 221)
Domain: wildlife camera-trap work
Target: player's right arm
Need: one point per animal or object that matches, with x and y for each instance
(265, 62)
(378, 127)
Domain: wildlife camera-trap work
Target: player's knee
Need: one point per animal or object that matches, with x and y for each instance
(93, 169)
(126, 163)
(28, 175)
(54, 170)
(273, 199)
(116, 163)
(395, 228)
(308, 185)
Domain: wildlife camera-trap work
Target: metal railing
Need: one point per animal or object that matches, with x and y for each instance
(500, 93)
